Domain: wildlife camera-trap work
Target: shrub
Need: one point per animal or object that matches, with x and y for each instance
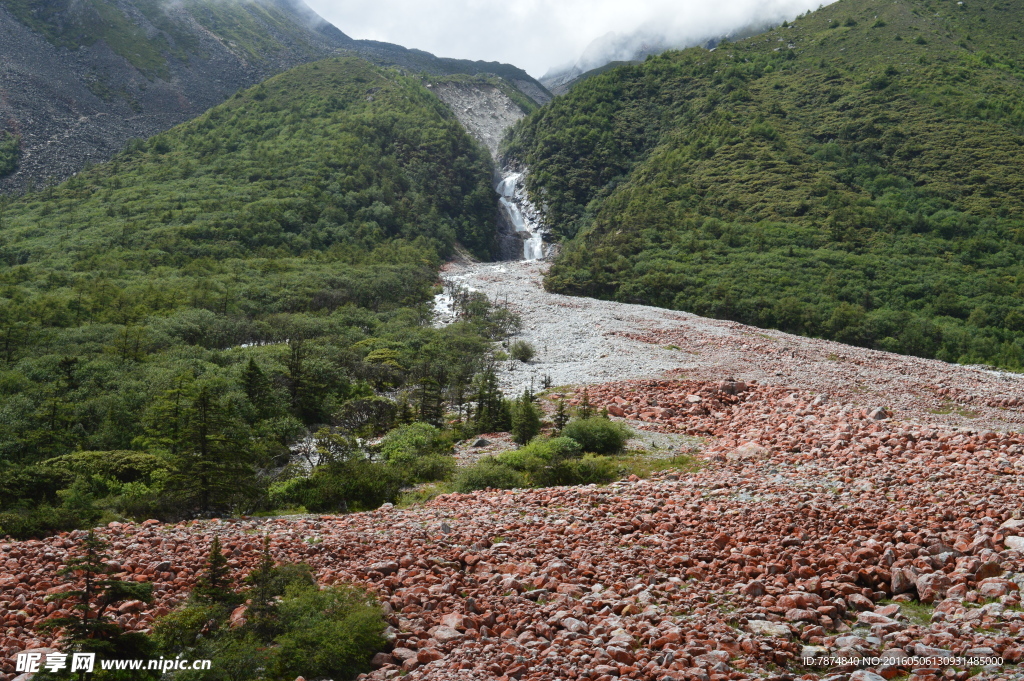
(489, 472)
(590, 469)
(522, 350)
(431, 468)
(292, 628)
(39, 522)
(347, 486)
(329, 633)
(405, 443)
(598, 435)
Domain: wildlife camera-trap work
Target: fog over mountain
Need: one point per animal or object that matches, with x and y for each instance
(541, 35)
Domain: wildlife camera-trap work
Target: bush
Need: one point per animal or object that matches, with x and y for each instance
(299, 629)
(406, 443)
(489, 472)
(41, 521)
(431, 468)
(341, 487)
(598, 435)
(591, 469)
(522, 350)
(329, 633)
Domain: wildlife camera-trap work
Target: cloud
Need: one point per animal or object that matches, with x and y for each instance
(540, 34)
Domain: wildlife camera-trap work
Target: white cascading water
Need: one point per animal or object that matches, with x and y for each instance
(522, 215)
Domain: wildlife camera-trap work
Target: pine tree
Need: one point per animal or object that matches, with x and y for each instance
(525, 419)
(585, 410)
(561, 416)
(257, 388)
(92, 595)
(261, 613)
(214, 584)
(491, 410)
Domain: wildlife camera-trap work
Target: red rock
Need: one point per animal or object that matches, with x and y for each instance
(932, 586)
(427, 655)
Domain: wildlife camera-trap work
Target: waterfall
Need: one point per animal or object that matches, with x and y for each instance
(521, 214)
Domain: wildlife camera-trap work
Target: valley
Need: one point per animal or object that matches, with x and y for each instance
(390, 366)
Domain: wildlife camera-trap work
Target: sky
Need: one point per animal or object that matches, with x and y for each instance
(540, 34)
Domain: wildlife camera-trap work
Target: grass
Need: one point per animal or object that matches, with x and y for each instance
(643, 466)
(917, 612)
(421, 494)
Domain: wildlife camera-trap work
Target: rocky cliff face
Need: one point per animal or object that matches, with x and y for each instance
(75, 88)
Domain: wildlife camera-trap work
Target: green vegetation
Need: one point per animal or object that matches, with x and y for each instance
(177, 324)
(865, 185)
(544, 462)
(578, 456)
(10, 152)
(90, 597)
(522, 350)
(598, 435)
(287, 627)
(291, 627)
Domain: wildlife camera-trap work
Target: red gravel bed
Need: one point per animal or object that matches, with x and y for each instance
(807, 516)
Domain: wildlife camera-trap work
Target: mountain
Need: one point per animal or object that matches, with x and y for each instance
(615, 49)
(79, 79)
(856, 175)
(300, 224)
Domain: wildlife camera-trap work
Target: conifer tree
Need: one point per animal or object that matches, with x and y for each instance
(257, 388)
(90, 629)
(261, 613)
(561, 416)
(214, 584)
(525, 419)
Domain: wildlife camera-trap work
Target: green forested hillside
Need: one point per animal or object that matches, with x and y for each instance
(211, 294)
(857, 174)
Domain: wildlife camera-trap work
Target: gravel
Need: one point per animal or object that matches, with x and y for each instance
(586, 341)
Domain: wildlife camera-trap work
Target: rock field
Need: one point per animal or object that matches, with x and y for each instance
(827, 521)
(582, 340)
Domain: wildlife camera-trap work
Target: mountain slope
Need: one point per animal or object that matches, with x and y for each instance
(80, 79)
(299, 225)
(856, 175)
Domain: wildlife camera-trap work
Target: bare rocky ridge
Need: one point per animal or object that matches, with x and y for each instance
(76, 107)
(51, 96)
(483, 109)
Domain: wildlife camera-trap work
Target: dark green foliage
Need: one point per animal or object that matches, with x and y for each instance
(488, 473)
(291, 628)
(492, 412)
(214, 295)
(521, 350)
(856, 187)
(352, 485)
(10, 151)
(525, 418)
(416, 440)
(214, 584)
(544, 462)
(91, 629)
(598, 435)
(561, 415)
